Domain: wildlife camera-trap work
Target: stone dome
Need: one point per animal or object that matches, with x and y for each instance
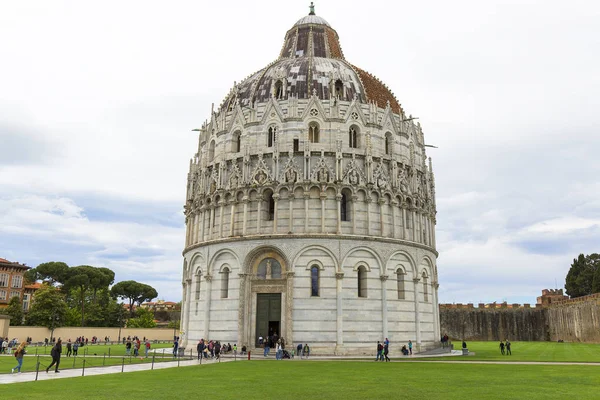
(311, 61)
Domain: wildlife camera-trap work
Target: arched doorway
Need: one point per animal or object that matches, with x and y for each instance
(268, 297)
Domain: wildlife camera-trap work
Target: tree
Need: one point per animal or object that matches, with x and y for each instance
(48, 308)
(81, 278)
(134, 292)
(580, 280)
(15, 311)
(174, 324)
(144, 319)
(53, 272)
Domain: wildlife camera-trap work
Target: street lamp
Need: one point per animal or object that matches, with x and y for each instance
(120, 326)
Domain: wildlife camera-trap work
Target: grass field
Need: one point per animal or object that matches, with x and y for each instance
(327, 380)
(532, 351)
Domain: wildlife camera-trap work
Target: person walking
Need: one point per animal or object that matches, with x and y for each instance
(19, 353)
(386, 350)
(279, 354)
(267, 347)
(501, 347)
(379, 348)
(410, 347)
(299, 350)
(75, 348)
(306, 351)
(175, 347)
(69, 348)
(55, 353)
(147, 346)
(508, 352)
(200, 348)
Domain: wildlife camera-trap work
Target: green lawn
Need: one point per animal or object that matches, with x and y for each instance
(117, 354)
(327, 380)
(532, 351)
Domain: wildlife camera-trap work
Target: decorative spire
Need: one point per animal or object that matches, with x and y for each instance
(312, 9)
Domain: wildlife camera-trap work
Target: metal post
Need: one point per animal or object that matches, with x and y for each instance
(109, 352)
(104, 360)
(178, 358)
(74, 358)
(36, 350)
(163, 356)
(83, 370)
(123, 365)
(153, 360)
(37, 368)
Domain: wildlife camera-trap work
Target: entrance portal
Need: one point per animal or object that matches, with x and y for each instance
(268, 315)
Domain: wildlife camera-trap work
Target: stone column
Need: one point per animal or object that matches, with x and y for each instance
(417, 313)
(323, 196)
(245, 222)
(208, 279)
(232, 219)
(188, 296)
(339, 278)
(338, 197)
(394, 204)
(354, 201)
(242, 311)
(203, 224)
(433, 232)
(436, 311)
(414, 225)
(368, 201)
(275, 212)
(384, 311)
(289, 306)
(381, 202)
(213, 213)
(259, 199)
(404, 223)
(306, 197)
(184, 306)
(195, 223)
(291, 212)
(221, 215)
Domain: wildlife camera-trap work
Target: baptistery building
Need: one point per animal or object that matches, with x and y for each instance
(310, 209)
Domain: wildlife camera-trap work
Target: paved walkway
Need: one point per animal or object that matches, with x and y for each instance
(114, 369)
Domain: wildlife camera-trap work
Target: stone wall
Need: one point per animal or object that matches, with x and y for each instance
(494, 323)
(39, 333)
(574, 320)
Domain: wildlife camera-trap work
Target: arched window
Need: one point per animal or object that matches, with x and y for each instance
(271, 136)
(211, 151)
(278, 89)
(314, 281)
(339, 89)
(362, 281)
(236, 142)
(345, 206)
(400, 279)
(296, 145)
(388, 143)
(198, 277)
(313, 132)
(425, 290)
(270, 206)
(225, 283)
(353, 137)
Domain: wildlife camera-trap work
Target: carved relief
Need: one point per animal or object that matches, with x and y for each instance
(290, 172)
(235, 177)
(353, 173)
(261, 174)
(322, 172)
(380, 177)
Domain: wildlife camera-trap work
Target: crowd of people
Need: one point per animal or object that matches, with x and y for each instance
(213, 349)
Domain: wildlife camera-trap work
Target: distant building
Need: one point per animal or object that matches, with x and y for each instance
(160, 305)
(550, 296)
(11, 281)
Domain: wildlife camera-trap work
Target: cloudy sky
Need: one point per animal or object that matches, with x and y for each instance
(98, 99)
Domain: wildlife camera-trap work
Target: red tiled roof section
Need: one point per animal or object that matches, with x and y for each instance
(335, 50)
(33, 286)
(4, 260)
(377, 92)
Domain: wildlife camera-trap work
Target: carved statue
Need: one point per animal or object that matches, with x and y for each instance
(353, 177)
(290, 176)
(269, 275)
